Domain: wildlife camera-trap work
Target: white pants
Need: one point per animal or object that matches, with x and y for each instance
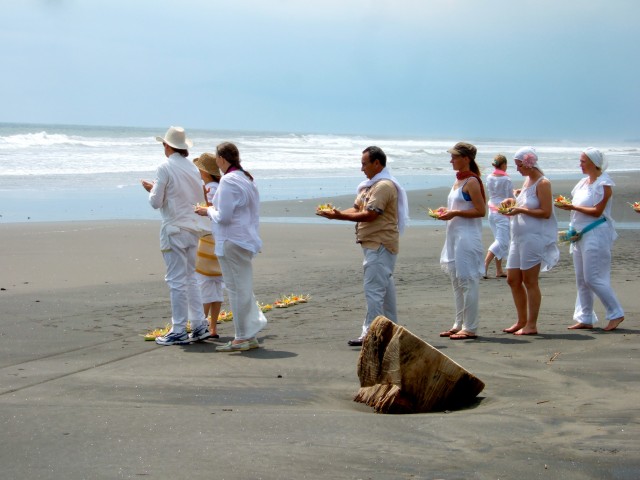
(592, 263)
(237, 271)
(379, 286)
(466, 294)
(500, 227)
(184, 291)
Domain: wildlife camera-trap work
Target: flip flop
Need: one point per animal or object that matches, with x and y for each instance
(462, 336)
(448, 333)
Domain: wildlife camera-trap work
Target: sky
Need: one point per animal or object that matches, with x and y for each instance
(520, 69)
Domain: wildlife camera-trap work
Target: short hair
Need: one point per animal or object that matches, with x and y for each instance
(376, 153)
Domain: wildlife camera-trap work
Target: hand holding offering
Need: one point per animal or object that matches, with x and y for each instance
(506, 206)
(561, 201)
(437, 212)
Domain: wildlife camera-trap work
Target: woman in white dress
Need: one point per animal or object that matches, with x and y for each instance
(499, 188)
(461, 255)
(534, 232)
(591, 214)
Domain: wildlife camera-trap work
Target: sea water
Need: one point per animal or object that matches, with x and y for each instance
(55, 173)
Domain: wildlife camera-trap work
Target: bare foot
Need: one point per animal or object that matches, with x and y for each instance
(448, 333)
(524, 331)
(613, 324)
(579, 326)
(513, 328)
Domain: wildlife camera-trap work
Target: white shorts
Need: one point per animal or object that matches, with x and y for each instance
(211, 288)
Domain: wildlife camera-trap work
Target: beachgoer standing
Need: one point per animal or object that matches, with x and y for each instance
(210, 280)
(461, 255)
(176, 188)
(236, 221)
(499, 188)
(534, 232)
(381, 212)
(591, 215)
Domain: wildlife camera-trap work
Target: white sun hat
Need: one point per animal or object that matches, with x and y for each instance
(176, 138)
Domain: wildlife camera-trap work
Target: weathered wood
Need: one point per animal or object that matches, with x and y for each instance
(400, 373)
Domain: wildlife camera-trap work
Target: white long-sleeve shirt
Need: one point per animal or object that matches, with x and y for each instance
(177, 188)
(235, 213)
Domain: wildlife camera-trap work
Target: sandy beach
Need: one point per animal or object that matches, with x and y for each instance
(82, 394)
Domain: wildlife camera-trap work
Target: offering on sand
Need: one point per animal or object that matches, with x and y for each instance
(289, 300)
(161, 332)
(561, 200)
(325, 207)
(635, 206)
(158, 332)
(437, 212)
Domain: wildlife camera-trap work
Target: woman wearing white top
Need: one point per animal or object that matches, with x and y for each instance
(235, 215)
(461, 255)
(533, 248)
(591, 202)
(211, 284)
(499, 188)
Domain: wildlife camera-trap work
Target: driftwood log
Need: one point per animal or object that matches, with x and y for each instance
(400, 373)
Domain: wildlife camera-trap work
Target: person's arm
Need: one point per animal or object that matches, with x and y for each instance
(229, 198)
(350, 214)
(543, 191)
(479, 209)
(595, 211)
(157, 193)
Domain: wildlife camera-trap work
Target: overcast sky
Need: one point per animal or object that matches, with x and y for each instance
(557, 69)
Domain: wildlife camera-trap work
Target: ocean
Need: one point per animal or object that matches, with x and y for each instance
(68, 173)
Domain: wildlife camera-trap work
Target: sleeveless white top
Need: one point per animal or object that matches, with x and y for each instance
(462, 252)
(540, 234)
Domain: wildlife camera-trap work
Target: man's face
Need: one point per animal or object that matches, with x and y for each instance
(369, 168)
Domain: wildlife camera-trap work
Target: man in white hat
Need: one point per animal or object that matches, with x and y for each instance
(176, 189)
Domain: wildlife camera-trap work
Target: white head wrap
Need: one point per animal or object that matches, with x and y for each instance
(528, 157)
(597, 157)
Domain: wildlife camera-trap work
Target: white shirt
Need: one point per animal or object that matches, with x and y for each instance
(177, 188)
(235, 213)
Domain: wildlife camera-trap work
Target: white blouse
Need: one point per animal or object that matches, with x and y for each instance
(235, 213)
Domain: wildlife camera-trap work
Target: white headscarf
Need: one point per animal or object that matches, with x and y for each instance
(528, 157)
(403, 202)
(597, 157)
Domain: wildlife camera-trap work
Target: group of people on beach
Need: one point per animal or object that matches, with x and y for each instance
(214, 197)
(227, 208)
(525, 231)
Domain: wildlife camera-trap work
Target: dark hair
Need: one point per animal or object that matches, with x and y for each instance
(376, 153)
(182, 151)
(231, 154)
(473, 166)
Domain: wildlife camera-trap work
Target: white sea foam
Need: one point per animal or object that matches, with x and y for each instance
(123, 154)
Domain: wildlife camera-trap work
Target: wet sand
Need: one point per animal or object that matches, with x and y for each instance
(83, 396)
